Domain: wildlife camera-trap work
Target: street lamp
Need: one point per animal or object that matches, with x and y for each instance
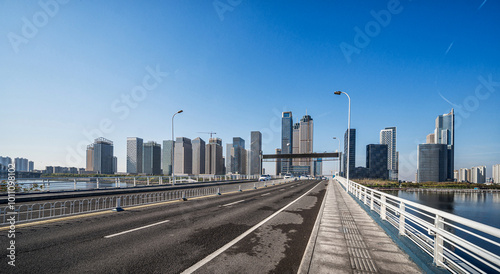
(348, 135)
(173, 146)
(338, 151)
(289, 160)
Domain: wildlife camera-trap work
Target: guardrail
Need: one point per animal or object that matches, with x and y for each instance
(458, 244)
(39, 211)
(34, 185)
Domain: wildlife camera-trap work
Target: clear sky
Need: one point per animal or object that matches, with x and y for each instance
(75, 70)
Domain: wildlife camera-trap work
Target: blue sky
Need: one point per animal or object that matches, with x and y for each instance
(72, 70)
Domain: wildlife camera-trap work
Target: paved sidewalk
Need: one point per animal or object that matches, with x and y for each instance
(345, 239)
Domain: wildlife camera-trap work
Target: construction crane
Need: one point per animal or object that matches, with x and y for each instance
(211, 133)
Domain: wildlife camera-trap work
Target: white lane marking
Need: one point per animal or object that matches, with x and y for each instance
(265, 194)
(237, 239)
(281, 189)
(237, 202)
(142, 227)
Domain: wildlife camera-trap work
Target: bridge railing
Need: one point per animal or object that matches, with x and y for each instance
(45, 210)
(458, 244)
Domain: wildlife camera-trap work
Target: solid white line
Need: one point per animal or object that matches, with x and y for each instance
(233, 203)
(265, 194)
(146, 226)
(237, 239)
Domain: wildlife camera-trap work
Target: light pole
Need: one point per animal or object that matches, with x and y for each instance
(173, 146)
(338, 151)
(348, 136)
(288, 161)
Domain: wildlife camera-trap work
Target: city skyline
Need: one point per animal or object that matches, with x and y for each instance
(81, 76)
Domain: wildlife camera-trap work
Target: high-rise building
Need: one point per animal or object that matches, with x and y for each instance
(183, 159)
(229, 158)
(90, 158)
(478, 175)
(388, 137)
(134, 155)
(21, 164)
(462, 175)
(445, 134)
(5, 162)
(306, 141)
(496, 174)
(278, 162)
(352, 152)
(31, 166)
(255, 151)
(198, 156)
(456, 175)
(376, 161)
(214, 163)
(167, 155)
(295, 143)
(103, 156)
(115, 166)
(238, 153)
(431, 138)
(318, 167)
(151, 161)
(286, 141)
(432, 165)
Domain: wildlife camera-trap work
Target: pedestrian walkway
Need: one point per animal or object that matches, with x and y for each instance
(345, 239)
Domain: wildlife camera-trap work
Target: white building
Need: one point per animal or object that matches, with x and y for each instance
(478, 175)
(388, 137)
(496, 174)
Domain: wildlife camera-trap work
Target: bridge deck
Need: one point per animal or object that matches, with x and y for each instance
(347, 240)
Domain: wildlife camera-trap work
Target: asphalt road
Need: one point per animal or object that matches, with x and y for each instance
(170, 238)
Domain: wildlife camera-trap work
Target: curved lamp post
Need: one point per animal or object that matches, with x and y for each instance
(173, 146)
(348, 136)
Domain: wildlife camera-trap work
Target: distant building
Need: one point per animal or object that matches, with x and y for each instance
(478, 175)
(295, 143)
(456, 175)
(388, 137)
(255, 151)
(214, 162)
(229, 158)
(318, 167)
(496, 174)
(103, 156)
(49, 170)
(376, 161)
(286, 141)
(432, 165)
(21, 164)
(306, 141)
(463, 175)
(352, 153)
(183, 159)
(445, 134)
(198, 156)
(238, 156)
(5, 161)
(431, 138)
(31, 166)
(134, 155)
(279, 163)
(168, 148)
(90, 158)
(151, 161)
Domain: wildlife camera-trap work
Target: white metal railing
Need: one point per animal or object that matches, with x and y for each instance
(46, 184)
(38, 211)
(458, 244)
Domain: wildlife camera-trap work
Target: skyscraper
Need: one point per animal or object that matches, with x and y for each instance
(432, 165)
(496, 174)
(229, 158)
(255, 150)
(90, 158)
(376, 161)
(151, 162)
(21, 164)
(115, 166)
(431, 138)
(388, 137)
(198, 156)
(352, 153)
(238, 153)
(478, 175)
(103, 156)
(31, 166)
(286, 140)
(445, 134)
(214, 163)
(5, 162)
(168, 147)
(462, 175)
(134, 155)
(183, 159)
(295, 143)
(306, 141)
